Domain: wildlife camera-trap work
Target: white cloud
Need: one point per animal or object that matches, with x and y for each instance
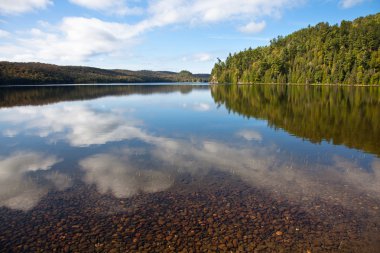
(4, 34)
(250, 135)
(21, 6)
(9, 133)
(239, 38)
(253, 27)
(84, 37)
(119, 7)
(17, 190)
(203, 57)
(76, 40)
(97, 4)
(200, 57)
(350, 3)
(165, 12)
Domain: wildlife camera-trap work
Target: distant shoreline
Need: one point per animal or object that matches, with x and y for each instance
(35, 73)
(301, 84)
(178, 83)
(108, 84)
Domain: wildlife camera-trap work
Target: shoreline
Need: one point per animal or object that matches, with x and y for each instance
(300, 84)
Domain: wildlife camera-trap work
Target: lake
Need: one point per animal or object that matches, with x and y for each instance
(190, 168)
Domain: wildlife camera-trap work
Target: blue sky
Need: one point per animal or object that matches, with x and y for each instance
(156, 34)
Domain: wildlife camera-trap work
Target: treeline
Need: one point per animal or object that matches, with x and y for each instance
(345, 115)
(328, 54)
(12, 73)
(28, 95)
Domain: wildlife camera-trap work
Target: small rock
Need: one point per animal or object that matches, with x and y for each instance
(279, 233)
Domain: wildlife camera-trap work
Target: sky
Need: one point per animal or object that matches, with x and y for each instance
(171, 35)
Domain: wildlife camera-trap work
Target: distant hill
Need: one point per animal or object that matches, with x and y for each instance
(12, 73)
(329, 54)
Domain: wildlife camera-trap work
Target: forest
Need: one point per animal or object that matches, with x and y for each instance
(345, 115)
(348, 53)
(12, 73)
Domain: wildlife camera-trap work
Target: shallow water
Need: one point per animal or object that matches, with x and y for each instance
(262, 168)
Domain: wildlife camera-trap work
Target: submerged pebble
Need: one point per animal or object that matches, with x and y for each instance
(210, 215)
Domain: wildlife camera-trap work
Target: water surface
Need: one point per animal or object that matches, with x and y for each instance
(174, 167)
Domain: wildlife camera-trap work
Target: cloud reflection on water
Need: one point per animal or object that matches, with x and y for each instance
(357, 176)
(260, 166)
(256, 162)
(250, 135)
(79, 125)
(18, 190)
(115, 174)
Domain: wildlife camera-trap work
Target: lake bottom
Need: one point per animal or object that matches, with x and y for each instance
(217, 212)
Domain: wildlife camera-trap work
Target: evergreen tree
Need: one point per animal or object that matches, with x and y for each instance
(345, 54)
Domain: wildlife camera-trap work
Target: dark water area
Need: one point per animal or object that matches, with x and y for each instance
(190, 168)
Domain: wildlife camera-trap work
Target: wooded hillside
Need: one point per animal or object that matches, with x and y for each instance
(12, 73)
(348, 53)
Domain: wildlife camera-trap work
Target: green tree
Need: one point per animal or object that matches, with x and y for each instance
(347, 54)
